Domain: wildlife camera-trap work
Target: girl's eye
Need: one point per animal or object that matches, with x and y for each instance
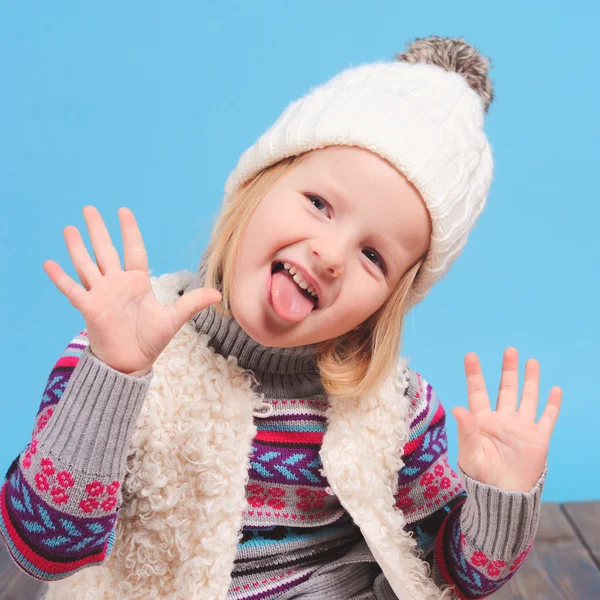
(377, 259)
(317, 202)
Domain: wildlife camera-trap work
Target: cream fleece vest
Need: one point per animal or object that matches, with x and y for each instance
(184, 490)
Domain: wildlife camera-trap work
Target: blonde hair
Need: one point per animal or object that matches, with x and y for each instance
(351, 365)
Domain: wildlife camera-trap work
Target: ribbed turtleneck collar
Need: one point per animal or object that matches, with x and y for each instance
(281, 372)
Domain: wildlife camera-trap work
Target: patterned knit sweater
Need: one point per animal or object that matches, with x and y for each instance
(295, 532)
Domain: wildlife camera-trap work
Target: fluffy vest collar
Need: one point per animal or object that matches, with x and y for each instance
(184, 491)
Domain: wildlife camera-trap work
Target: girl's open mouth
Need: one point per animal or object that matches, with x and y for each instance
(290, 301)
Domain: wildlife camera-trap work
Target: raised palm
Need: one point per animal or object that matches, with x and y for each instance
(126, 325)
(505, 448)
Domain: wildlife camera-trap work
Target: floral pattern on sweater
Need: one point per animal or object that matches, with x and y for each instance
(56, 520)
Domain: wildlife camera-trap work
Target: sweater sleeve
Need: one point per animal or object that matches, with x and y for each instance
(475, 536)
(59, 501)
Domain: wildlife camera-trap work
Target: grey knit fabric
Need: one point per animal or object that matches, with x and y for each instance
(499, 522)
(93, 423)
(355, 576)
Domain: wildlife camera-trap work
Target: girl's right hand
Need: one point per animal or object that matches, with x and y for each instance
(126, 325)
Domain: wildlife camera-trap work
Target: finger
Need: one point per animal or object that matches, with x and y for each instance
(550, 415)
(191, 303)
(133, 244)
(72, 290)
(468, 432)
(84, 265)
(476, 391)
(466, 422)
(531, 390)
(106, 255)
(508, 394)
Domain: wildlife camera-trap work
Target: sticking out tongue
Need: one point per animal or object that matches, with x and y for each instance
(289, 301)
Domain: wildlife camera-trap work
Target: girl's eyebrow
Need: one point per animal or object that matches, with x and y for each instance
(394, 248)
(332, 189)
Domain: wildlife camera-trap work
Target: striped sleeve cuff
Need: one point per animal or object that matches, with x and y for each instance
(92, 425)
(500, 523)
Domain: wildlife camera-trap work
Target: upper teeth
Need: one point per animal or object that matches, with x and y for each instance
(299, 280)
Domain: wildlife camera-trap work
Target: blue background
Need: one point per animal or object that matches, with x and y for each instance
(149, 105)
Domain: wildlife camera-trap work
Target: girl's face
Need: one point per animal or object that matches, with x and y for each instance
(350, 223)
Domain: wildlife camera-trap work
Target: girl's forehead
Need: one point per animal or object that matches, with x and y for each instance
(354, 171)
(340, 156)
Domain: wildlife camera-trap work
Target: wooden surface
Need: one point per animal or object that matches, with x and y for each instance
(564, 563)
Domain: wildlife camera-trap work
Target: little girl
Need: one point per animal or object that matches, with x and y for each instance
(248, 431)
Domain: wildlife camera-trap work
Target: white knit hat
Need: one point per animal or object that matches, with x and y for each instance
(423, 113)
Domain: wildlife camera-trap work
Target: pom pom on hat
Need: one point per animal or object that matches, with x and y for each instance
(423, 113)
(453, 54)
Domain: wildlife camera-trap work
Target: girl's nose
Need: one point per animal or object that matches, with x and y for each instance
(329, 258)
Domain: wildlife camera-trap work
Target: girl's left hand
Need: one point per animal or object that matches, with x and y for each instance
(505, 448)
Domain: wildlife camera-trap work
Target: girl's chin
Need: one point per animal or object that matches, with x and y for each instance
(262, 328)
(274, 332)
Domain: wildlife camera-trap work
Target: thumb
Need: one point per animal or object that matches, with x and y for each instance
(468, 432)
(191, 303)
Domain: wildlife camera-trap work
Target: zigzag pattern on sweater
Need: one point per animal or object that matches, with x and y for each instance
(49, 543)
(52, 528)
(292, 519)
